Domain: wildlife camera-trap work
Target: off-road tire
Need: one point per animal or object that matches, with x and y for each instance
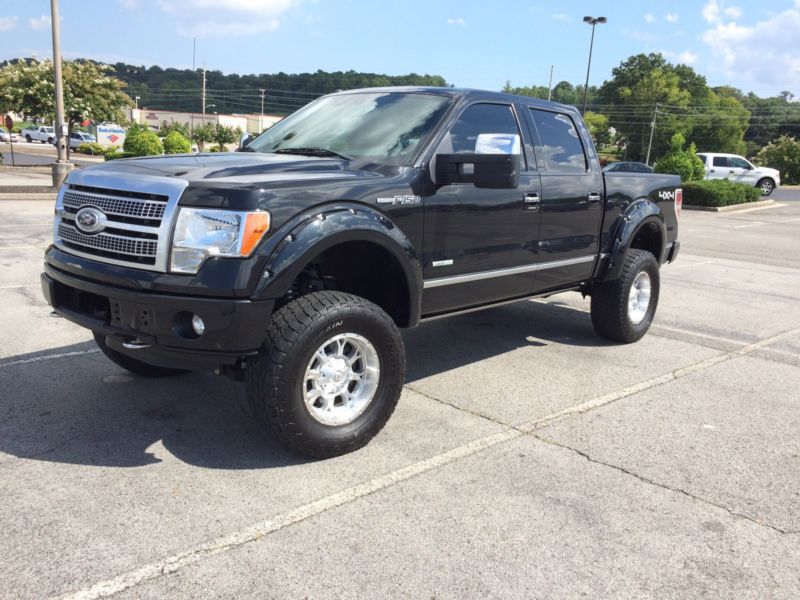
(28, 138)
(274, 379)
(136, 367)
(610, 316)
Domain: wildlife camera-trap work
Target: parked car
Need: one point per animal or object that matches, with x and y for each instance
(627, 167)
(44, 134)
(740, 170)
(292, 265)
(76, 138)
(5, 136)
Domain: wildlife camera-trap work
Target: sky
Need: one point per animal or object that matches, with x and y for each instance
(753, 45)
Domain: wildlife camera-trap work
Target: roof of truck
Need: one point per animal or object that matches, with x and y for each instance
(466, 93)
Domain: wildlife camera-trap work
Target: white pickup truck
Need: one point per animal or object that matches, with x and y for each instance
(740, 170)
(44, 133)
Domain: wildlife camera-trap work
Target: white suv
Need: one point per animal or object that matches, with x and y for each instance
(740, 170)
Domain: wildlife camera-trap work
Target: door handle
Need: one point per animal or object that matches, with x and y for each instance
(731, 171)
(531, 201)
(594, 198)
(713, 171)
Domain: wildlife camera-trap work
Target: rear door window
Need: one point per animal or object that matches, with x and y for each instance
(720, 161)
(559, 149)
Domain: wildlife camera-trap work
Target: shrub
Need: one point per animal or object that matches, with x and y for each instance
(140, 141)
(114, 153)
(782, 154)
(678, 161)
(718, 192)
(168, 127)
(176, 143)
(223, 135)
(92, 148)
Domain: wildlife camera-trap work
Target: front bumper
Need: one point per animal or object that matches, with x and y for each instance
(160, 324)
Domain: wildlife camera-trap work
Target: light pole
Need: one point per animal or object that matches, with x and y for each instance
(590, 21)
(261, 121)
(62, 165)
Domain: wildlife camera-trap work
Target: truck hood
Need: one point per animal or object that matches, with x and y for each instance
(766, 171)
(236, 169)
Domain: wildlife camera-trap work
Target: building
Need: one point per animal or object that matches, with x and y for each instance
(250, 123)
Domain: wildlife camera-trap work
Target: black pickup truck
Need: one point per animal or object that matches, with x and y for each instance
(292, 264)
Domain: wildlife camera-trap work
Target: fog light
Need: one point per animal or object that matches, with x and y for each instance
(198, 325)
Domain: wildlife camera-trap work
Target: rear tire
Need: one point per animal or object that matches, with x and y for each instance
(136, 367)
(28, 138)
(329, 375)
(623, 309)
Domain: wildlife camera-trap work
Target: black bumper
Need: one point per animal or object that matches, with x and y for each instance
(161, 323)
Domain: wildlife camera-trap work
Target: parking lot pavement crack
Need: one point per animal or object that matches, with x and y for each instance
(474, 413)
(649, 481)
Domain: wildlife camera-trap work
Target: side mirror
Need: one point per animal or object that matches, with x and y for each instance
(496, 171)
(245, 140)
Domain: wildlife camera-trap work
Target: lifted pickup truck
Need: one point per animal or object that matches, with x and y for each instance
(293, 264)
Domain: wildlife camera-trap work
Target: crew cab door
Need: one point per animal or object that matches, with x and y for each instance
(743, 171)
(572, 199)
(719, 168)
(480, 243)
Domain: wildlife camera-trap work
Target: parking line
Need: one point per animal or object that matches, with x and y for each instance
(19, 285)
(35, 359)
(753, 224)
(255, 532)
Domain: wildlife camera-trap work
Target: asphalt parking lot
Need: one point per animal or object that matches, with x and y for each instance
(527, 457)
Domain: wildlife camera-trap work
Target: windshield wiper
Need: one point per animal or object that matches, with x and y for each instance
(312, 152)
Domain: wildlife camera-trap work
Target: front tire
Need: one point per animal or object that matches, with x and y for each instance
(137, 367)
(767, 186)
(623, 309)
(329, 375)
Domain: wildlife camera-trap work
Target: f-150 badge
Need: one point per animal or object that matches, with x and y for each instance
(398, 200)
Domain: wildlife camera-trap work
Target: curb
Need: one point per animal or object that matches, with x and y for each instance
(732, 208)
(43, 169)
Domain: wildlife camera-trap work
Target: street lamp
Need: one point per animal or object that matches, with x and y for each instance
(590, 21)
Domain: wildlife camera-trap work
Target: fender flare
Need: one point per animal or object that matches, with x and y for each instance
(308, 236)
(640, 213)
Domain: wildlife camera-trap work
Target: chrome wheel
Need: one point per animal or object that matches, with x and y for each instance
(639, 298)
(766, 187)
(341, 379)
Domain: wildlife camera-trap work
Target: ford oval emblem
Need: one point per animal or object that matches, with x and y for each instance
(90, 220)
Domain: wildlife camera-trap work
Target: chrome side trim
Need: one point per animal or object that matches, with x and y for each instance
(108, 178)
(456, 279)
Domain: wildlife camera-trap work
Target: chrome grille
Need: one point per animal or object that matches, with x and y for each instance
(117, 244)
(139, 210)
(125, 207)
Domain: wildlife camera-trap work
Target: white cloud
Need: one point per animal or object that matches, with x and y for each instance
(760, 53)
(672, 17)
(688, 57)
(131, 4)
(649, 18)
(8, 23)
(457, 21)
(734, 12)
(42, 22)
(227, 17)
(715, 11)
(561, 17)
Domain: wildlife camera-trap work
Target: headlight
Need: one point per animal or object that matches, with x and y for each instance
(201, 233)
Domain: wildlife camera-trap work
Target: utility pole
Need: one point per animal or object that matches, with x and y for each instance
(204, 92)
(652, 130)
(194, 73)
(550, 85)
(593, 22)
(62, 165)
(261, 121)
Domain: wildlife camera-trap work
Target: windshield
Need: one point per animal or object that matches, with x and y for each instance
(384, 128)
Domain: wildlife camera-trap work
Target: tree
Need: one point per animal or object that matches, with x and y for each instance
(598, 127)
(28, 87)
(168, 127)
(202, 134)
(140, 141)
(223, 134)
(678, 161)
(782, 154)
(176, 143)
